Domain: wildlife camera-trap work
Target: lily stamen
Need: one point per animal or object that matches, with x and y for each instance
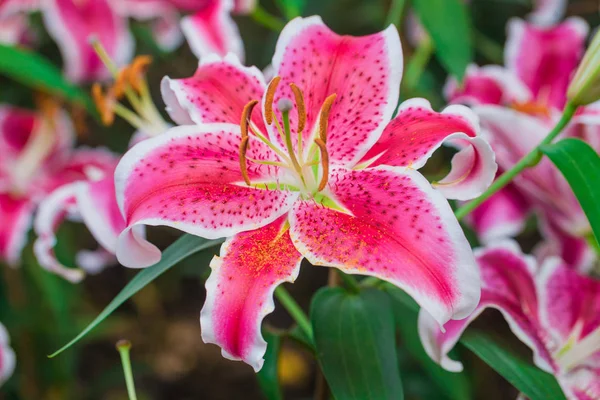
(301, 107)
(324, 163)
(269, 98)
(324, 116)
(243, 166)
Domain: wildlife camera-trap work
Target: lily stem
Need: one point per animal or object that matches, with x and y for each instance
(123, 346)
(395, 13)
(530, 160)
(295, 311)
(266, 19)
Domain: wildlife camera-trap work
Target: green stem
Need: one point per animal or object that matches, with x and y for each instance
(417, 63)
(395, 14)
(530, 160)
(294, 310)
(349, 281)
(123, 346)
(266, 19)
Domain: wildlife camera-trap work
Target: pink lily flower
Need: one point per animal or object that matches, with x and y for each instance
(209, 28)
(13, 20)
(7, 356)
(73, 22)
(329, 176)
(527, 97)
(551, 308)
(37, 158)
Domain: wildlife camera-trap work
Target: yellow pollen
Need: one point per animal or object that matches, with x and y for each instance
(324, 163)
(243, 166)
(246, 114)
(269, 98)
(324, 116)
(104, 104)
(300, 105)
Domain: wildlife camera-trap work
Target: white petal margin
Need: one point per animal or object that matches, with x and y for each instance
(7, 356)
(196, 32)
(57, 206)
(178, 105)
(255, 358)
(547, 12)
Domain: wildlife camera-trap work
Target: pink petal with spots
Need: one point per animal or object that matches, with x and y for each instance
(217, 92)
(547, 12)
(396, 228)
(490, 84)
(508, 286)
(16, 215)
(72, 23)
(569, 302)
(417, 131)
(582, 383)
(190, 179)
(502, 215)
(364, 72)
(211, 30)
(545, 58)
(7, 356)
(55, 208)
(239, 292)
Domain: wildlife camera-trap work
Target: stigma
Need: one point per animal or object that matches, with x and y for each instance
(307, 163)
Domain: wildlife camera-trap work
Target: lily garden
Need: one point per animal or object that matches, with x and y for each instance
(299, 199)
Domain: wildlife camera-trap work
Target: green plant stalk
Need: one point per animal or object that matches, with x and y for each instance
(288, 302)
(530, 160)
(266, 19)
(417, 64)
(395, 14)
(123, 346)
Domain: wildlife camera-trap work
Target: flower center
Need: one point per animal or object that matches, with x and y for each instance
(577, 351)
(310, 169)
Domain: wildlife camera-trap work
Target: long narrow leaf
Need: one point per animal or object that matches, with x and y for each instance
(182, 248)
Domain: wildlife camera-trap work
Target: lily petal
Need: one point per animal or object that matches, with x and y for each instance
(573, 250)
(508, 286)
(417, 131)
(218, 92)
(545, 58)
(239, 292)
(71, 23)
(16, 216)
(7, 356)
(189, 178)
(396, 228)
(582, 383)
(547, 12)
(364, 72)
(502, 215)
(57, 206)
(211, 30)
(490, 84)
(95, 261)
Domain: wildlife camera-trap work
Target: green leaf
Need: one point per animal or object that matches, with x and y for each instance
(182, 248)
(291, 8)
(454, 385)
(268, 379)
(580, 165)
(448, 23)
(38, 73)
(529, 379)
(355, 343)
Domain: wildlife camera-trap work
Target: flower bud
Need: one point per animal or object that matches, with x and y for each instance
(585, 86)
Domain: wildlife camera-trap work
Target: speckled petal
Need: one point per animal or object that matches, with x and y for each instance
(217, 92)
(396, 228)
(364, 72)
(72, 23)
(240, 290)
(189, 178)
(417, 131)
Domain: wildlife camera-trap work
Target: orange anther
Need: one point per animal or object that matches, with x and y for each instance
(246, 114)
(136, 71)
(532, 108)
(243, 166)
(300, 106)
(324, 116)
(269, 98)
(104, 104)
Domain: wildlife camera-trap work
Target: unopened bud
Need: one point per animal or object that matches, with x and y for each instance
(585, 86)
(285, 105)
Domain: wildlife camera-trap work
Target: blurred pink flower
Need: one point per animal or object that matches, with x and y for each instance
(337, 184)
(518, 105)
(7, 356)
(552, 309)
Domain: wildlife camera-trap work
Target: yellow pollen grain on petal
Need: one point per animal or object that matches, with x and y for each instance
(103, 104)
(300, 105)
(269, 97)
(324, 116)
(246, 114)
